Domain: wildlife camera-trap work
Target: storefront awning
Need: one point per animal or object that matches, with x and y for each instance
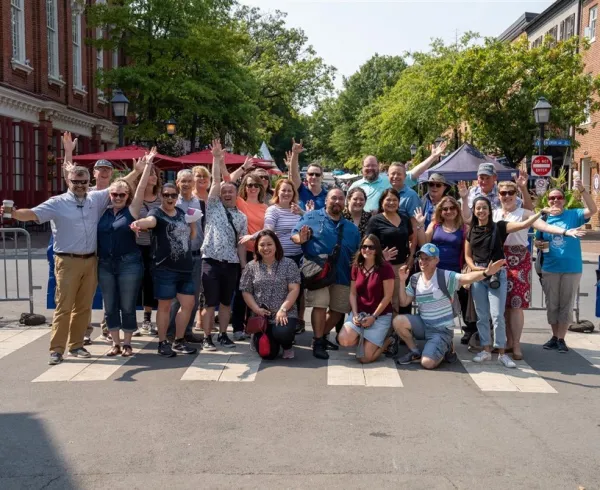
(123, 157)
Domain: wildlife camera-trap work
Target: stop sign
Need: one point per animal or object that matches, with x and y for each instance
(541, 165)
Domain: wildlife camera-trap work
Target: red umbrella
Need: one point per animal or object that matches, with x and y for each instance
(125, 155)
(205, 157)
(275, 171)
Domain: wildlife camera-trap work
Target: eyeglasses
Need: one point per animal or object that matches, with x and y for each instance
(120, 195)
(555, 198)
(79, 182)
(314, 174)
(264, 177)
(368, 247)
(253, 186)
(435, 184)
(170, 195)
(507, 193)
(448, 208)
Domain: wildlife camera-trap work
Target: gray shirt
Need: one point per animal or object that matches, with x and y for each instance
(74, 221)
(144, 236)
(193, 203)
(219, 239)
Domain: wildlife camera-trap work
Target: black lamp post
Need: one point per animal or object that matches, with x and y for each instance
(413, 150)
(171, 126)
(541, 112)
(120, 104)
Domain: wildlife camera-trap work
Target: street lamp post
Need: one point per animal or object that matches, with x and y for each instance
(541, 112)
(120, 104)
(171, 126)
(413, 150)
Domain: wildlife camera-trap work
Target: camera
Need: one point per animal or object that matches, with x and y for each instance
(494, 281)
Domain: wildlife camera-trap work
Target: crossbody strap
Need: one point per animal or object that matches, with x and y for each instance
(230, 219)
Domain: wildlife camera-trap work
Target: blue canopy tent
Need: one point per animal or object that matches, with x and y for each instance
(463, 163)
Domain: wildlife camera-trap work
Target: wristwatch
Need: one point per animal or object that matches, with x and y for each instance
(283, 309)
(485, 275)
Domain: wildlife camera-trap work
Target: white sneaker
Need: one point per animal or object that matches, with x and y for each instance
(506, 361)
(483, 356)
(239, 335)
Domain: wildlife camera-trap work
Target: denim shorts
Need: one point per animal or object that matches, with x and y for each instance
(377, 332)
(168, 284)
(437, 340)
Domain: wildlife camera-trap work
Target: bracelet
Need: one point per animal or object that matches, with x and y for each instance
(564, 233)
(485, 275)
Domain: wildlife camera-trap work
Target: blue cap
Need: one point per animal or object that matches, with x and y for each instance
(486, 169)
(429, 249)
(103, 163)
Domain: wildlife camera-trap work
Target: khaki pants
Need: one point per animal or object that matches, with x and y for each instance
(76, 281)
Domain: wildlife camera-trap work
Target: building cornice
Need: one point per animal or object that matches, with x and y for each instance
(554, 9)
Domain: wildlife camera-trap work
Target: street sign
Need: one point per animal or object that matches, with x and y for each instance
(558, 142)
(541, 165)
(541, 184)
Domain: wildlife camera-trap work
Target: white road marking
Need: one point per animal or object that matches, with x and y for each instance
(235, 365)
(96, 368)
(585, 344)
(13, 339)
(344, 370)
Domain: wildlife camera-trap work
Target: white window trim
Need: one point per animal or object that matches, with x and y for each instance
(588, 113)
(55, 75)
(78, 86)
(21, 58)
(593, 26)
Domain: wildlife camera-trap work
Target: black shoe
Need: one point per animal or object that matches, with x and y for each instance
(55, 358)
(181, 346)
(450, 355)
(330, 345)
(301, 327)
(552, 344)
(208, 345)
(466, 337)
(562, 346)
(165, 350)
(392, 349)
(192, 338)
(319, 349)
(225, 341)
(408, 358)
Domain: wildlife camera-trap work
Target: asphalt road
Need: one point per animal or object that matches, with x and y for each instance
(156, 423)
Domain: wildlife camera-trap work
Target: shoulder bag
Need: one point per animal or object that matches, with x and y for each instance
(317, 276)
(258, 324)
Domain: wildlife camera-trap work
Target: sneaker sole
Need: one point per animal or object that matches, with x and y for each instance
(228, 346)
(54, 363)
(184, 352)
(173, 354)
(549, 348)
(562, 351)
(406, 363)
(80, 357)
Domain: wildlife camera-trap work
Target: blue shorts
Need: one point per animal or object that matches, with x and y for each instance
(437, 340)
(168, 284)
(376, 333)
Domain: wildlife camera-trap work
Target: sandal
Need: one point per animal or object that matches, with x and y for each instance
(127, 351)
(116, 350)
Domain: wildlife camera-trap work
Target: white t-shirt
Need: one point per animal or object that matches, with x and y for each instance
(516, 216)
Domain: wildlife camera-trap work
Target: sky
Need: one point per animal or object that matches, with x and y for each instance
(347, 33)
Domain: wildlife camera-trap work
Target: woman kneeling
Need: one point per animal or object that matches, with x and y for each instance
(371, 289)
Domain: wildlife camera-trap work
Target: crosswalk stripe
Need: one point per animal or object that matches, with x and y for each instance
(491, 376)
(13, 339)
(96, 368)
(344, 370)
(586, 345)
(239, 365)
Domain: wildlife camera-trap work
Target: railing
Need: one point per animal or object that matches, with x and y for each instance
(12, 277)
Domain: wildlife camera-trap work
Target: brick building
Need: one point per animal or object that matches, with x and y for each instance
(587, 156)
(47, 86)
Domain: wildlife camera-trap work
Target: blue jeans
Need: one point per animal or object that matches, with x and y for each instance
(197, 278)
(492, 302)
(119, 279)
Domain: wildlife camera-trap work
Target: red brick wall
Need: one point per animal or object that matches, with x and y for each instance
(590, 142)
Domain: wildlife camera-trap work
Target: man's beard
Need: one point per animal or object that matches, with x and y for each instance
(371, 177)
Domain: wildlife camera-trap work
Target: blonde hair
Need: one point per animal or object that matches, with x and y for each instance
(275, 198)
(509, 184)
(119, 183)
(437, 217)
(203, 171)
(243, 192)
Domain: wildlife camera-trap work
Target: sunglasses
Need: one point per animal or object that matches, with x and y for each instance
(555, 198)
(120, 195)
(314, 174)
(170, 195)
(79, 182)
(253, 186)
(368, 247)
(263, 177)
(435, 184)
(448, 208)
(507, 193)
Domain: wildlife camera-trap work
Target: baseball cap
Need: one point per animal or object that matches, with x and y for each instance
(486, 169)
(429, 249)
(435, 177)
(103, 163)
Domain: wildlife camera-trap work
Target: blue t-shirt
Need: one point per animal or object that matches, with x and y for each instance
(373, 190)
(115, 238)
(565, 252)
(305, 195)
(324, 239)
(409, 201)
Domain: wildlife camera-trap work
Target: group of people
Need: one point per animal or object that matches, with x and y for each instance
(228, 242)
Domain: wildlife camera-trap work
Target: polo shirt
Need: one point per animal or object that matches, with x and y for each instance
(409, 201)
(305, 195)
(324, 238)
(375, 189)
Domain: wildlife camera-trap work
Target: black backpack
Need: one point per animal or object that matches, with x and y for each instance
(441, 279)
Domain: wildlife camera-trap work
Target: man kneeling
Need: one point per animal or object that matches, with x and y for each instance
(435, 321)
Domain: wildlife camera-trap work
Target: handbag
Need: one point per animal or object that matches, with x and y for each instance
(258, 324)
(317, 276)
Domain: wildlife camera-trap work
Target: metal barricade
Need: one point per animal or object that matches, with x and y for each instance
(9, 254)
